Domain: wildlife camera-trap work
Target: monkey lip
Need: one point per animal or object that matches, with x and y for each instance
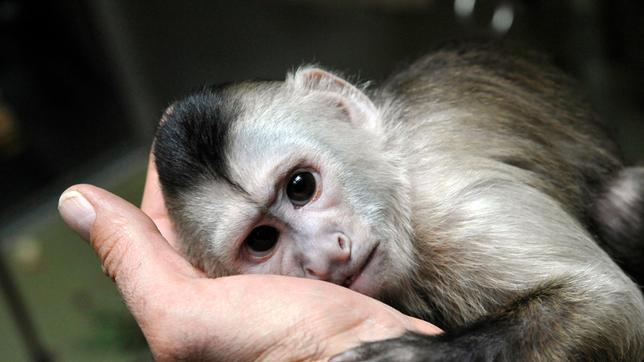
(352, 281)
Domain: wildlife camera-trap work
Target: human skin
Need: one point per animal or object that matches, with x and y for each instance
(185, 315)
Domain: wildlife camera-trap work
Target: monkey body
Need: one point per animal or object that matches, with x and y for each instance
(458, 192)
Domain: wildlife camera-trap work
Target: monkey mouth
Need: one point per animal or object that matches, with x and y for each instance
(353, 278)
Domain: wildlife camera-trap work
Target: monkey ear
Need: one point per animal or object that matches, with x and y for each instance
(357, 106)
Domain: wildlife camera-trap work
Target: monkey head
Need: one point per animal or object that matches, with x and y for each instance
(287, 178)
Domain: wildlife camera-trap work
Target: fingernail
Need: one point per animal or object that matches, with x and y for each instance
(77, 212)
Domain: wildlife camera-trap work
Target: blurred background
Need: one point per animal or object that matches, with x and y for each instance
(83, 83)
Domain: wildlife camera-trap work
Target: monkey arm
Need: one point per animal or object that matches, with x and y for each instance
(536, 327)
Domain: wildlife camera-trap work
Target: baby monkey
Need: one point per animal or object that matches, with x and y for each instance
(461, 191)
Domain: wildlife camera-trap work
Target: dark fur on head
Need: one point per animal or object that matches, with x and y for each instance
(194, 135)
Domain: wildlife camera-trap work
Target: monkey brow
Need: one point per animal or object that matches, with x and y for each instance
(235, 186)
(262, 207)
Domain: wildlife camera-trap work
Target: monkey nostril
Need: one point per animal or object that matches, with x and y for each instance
(344, 242)
(343, 253)
(319, 275)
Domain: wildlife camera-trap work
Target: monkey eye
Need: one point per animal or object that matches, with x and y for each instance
(301, 188)
(262, 240)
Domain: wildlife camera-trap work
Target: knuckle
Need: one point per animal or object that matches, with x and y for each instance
(112, 244)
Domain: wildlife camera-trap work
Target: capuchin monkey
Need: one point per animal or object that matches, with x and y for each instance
(471, 190)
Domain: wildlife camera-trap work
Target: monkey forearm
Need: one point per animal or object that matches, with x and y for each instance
(548, 324)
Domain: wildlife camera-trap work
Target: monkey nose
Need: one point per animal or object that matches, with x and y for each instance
(323, 264)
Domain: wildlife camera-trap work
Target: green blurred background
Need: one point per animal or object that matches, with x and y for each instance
(76, 309)
(83, 82)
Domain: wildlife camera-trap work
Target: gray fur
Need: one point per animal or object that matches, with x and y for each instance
(619, 212)
(473, 170)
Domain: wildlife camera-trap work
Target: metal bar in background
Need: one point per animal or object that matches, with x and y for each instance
(18, 309)
(132, 86)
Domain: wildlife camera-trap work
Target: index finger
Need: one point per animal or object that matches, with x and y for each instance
(153, 203)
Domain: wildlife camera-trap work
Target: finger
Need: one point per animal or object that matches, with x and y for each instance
(421, 326)
(153, 203)
(130, 247)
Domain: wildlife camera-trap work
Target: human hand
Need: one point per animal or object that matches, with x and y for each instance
(185, 315)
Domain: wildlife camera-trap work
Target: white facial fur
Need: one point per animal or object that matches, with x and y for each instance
(347, 233)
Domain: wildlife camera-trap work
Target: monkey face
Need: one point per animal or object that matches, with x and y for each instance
(287, 214)
(286, 178)
(309, 230)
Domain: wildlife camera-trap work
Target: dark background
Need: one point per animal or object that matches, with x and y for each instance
(82, 84)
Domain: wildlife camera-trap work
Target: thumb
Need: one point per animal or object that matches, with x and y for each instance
(130, 247)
